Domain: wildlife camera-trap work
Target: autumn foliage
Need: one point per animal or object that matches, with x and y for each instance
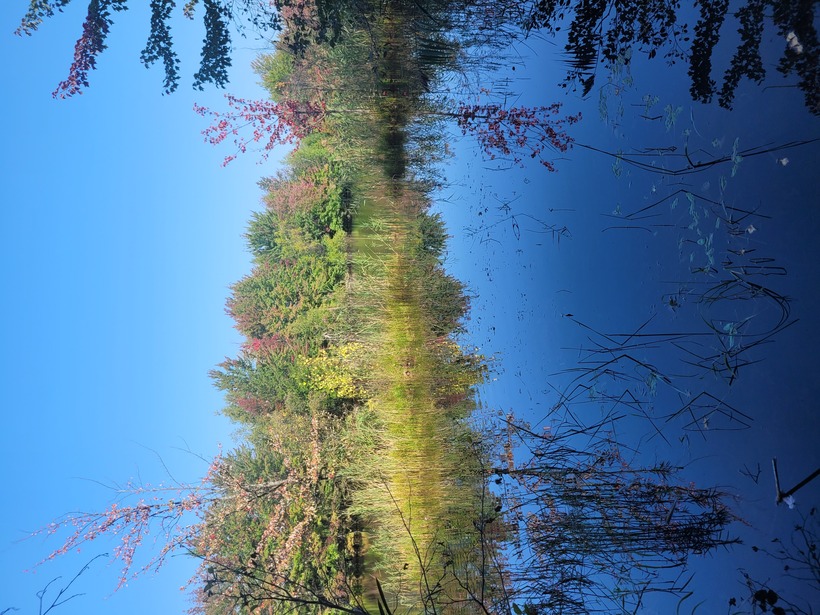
(517, 133)
(269, 123)
(88, 47)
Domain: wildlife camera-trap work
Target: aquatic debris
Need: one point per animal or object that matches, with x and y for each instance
(794, 43)
(649, 101)
(736, 157)
(787, 496)
(671, 118)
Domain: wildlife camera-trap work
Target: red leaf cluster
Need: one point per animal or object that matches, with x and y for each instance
(269, 123)
(517, 132)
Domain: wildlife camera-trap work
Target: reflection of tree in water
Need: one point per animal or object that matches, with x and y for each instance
(606, 32)
(599, 531)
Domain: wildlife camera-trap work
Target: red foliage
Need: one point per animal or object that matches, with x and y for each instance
(301, 22)
(270, 123)
(275, 344)
(517, 131)
(175, 522)
(92, 42)
(263, 347)
(288, 196)
(254, 406)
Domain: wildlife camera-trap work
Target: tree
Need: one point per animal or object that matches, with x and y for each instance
(275, 69)
(275, 295)
(256, 386)
(513, 133)
(263, 522)
(605, 32)
(139, 511)
(598, 529)
(304, 22)
(280, 547)
(271, 123)
(98, 21)
(302, 214)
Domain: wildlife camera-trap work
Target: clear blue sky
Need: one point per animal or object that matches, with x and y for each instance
(121, 234)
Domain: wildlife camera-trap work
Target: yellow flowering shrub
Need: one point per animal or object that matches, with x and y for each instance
(333, 371)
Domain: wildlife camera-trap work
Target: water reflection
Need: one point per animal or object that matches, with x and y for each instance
(688, 276)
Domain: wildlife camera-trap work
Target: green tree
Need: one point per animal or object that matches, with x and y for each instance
(257, 387)
(274, 540)
(275, 69)
(269, 300)
(305, 22)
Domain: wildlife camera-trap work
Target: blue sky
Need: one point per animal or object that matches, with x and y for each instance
(121, 234)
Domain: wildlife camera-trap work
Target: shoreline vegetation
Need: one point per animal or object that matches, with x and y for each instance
(368, 480)
(403, 517)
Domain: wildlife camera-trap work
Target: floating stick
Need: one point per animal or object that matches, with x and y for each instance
(782, 495)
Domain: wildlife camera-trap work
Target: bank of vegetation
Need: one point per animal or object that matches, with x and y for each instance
(355, 395)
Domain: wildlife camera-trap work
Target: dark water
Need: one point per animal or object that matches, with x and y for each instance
(736, 385)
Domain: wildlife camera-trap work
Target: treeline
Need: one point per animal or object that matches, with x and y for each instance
(356, 396)
(311, 381)
(290, 391)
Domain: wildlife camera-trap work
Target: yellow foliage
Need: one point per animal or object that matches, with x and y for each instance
(333, 371)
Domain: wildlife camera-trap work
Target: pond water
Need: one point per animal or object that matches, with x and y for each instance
(558, 259)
